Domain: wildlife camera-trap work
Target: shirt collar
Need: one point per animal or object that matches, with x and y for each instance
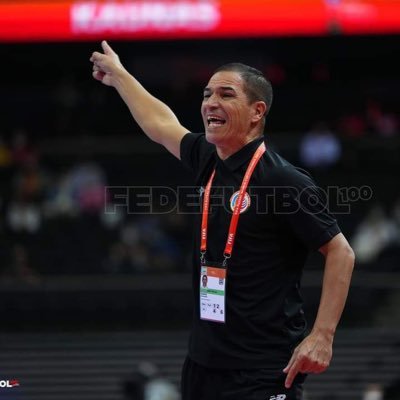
(243, 155)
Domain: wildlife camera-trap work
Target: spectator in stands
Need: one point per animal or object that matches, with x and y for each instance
(30, 182)
(147, 383)
(385, 124)
(373, 235)
(352, 126)
(24, 217)
(320, 147)
(79, 190)
(373, 391)
(24, 211)
(5, 168)
(19, 267)
(22, 151)
(5, 154)
(88, 182)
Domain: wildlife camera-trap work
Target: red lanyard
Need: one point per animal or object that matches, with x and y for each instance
(236, 211)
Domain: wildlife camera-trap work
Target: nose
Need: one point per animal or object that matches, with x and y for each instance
(211, 102)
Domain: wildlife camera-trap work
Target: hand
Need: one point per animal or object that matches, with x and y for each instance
(312, 355)
(106, 66)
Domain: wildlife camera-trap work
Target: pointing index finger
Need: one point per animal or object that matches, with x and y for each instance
(106, 48)
(292, 371)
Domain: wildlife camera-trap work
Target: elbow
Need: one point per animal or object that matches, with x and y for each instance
(350, 256)
(338, 249)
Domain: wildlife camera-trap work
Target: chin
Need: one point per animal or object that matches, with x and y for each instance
(213, 137)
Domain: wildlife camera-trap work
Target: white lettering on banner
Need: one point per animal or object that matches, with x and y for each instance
(81, 15)
(95, 17)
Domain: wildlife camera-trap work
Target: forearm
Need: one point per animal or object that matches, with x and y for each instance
(339, 265)
(314, 353)
(152, 115)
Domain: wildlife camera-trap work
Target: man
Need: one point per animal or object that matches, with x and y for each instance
(248, 336)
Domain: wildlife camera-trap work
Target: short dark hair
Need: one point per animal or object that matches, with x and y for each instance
(257, 86)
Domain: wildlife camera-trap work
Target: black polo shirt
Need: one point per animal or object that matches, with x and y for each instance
(286, 217)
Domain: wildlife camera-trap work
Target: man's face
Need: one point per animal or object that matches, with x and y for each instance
(227, 114)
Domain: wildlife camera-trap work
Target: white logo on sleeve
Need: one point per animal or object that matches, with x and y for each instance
(278, 397)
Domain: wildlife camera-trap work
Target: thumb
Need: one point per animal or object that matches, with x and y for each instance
(106, 48)
(290, 363)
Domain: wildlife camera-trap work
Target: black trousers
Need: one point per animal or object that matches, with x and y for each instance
(201, 383)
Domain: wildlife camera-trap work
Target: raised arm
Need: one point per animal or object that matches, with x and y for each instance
(314, 353)
(155, 118)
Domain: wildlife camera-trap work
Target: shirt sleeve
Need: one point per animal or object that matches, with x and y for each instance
(195, 150)
(303, 207)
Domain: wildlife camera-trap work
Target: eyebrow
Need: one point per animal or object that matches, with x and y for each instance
(207, 89)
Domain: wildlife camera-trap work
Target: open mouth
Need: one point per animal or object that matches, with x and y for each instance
(215, 121)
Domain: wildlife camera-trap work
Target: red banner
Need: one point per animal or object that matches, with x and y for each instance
(175, 19)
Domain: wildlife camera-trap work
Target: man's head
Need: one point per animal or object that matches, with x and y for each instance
(256, 86)
(205, 280)
(236, 101)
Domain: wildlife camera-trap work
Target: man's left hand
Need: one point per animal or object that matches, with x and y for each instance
(312, 355)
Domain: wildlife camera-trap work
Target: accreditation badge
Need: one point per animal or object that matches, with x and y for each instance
(212, 293)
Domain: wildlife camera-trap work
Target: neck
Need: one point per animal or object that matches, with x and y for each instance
(231, 148)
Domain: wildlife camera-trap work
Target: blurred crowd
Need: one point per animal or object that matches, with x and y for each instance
(53, 220)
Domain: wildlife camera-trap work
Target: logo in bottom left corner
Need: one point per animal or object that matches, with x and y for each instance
(278, 397)
(9, 383)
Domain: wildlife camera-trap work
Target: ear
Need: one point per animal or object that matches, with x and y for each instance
(260, 108)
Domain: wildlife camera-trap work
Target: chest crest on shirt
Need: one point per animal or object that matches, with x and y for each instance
(245, 203)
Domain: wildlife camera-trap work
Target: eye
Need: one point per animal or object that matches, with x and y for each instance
(206, 96)
(227, 95)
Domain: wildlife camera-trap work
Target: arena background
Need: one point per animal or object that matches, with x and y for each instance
(95, 299)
